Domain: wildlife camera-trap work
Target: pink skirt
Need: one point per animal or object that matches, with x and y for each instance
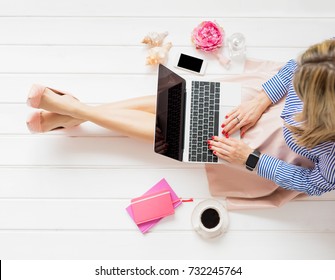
(244, 189)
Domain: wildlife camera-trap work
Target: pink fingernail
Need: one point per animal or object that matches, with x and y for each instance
(223, 132)
(223, 125)
(226, 116)
(227, 135)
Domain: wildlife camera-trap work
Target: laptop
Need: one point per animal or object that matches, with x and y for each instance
(190, 112)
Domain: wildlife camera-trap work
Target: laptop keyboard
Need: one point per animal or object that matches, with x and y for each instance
(205, 100)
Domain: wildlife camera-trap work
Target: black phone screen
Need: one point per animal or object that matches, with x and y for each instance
(190, 63)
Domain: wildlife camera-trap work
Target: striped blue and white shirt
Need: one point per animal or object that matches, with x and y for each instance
(314, 181)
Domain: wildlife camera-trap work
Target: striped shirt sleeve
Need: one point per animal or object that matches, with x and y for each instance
(277, 87)
(315, 181)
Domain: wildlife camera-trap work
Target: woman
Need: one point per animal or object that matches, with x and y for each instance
(308, 87)
(309, 116)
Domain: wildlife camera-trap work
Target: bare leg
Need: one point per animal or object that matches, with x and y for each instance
(51, 120)
(133, 117)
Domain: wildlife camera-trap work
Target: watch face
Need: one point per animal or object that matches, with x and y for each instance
(252, 160)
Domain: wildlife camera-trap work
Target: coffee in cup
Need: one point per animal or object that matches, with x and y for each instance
(210, 218)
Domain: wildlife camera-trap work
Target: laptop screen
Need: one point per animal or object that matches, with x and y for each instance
(170, 114)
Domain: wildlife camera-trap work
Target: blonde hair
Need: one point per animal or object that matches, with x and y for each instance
(314, 83)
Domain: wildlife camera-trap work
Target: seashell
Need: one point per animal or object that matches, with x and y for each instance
(154, 39)
(158, 55)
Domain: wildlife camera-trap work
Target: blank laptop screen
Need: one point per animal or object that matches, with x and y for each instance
(170, 114)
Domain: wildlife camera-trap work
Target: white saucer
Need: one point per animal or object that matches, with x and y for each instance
(196, 219)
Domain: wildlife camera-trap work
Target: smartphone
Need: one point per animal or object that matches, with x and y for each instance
(191, 63)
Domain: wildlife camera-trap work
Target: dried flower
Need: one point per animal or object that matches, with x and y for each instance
(208, 36)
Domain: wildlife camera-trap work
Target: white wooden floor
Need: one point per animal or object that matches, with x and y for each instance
(63, 194)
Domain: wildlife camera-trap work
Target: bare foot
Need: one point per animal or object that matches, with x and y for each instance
(57, 102)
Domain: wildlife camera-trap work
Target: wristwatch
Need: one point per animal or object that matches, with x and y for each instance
(252, 160)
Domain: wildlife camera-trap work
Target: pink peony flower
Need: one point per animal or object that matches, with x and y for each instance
(208, 36)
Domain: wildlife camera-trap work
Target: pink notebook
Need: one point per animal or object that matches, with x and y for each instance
(151, 207)
(161, 185)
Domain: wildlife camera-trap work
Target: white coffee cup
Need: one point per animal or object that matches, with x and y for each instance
(210, 218)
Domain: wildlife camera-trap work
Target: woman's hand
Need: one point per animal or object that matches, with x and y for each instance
(230, 149)
(246, 114)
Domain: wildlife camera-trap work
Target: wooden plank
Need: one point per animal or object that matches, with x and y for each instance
(109, 245)
(44, 150)
(129, 31)
(106, 60)
(103, 182)
(110, 214)
(89, 88)
(99, 183)
(239, 8)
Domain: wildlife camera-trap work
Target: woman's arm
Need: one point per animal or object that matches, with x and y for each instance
(277, 87)
(248, 113)
(314, 181)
